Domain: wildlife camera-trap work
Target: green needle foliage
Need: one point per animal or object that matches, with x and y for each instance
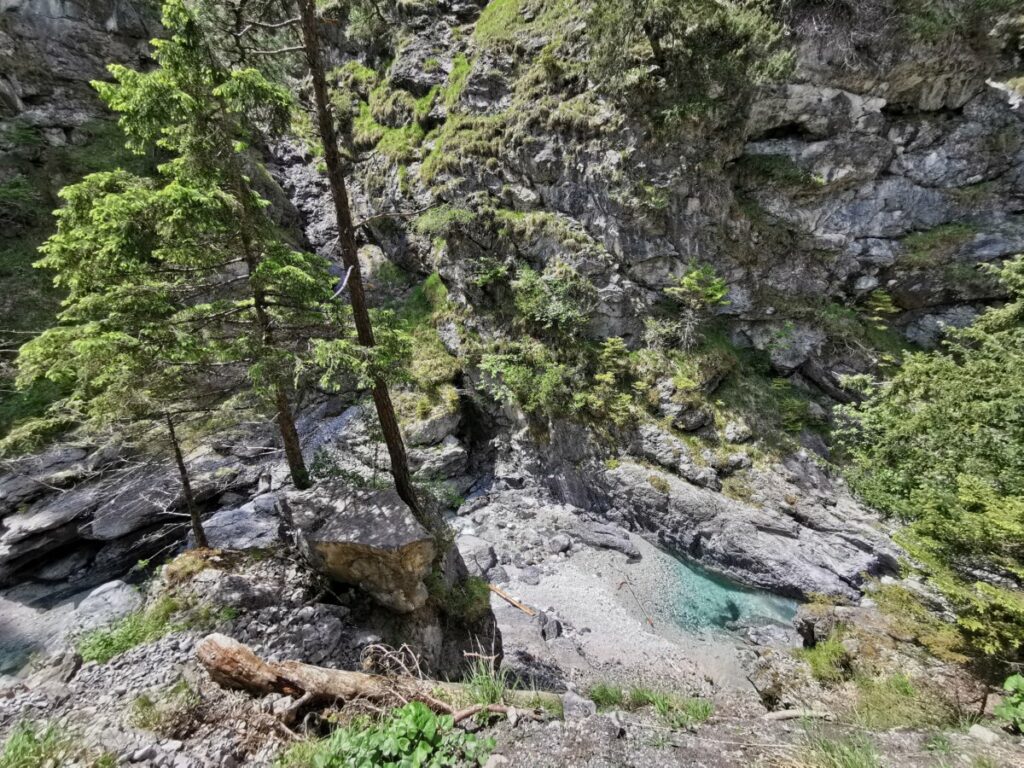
(941, 446)
(684, 56)
(183, 280)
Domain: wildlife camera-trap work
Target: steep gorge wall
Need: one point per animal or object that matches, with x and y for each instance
(879, 165)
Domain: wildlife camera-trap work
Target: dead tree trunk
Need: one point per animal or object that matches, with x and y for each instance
(186, 486)
(349, 252)
(234, 665)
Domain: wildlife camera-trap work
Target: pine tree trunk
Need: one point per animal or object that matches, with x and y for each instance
(186, 486)
(290, 438)
(285, 419)
(349, 253)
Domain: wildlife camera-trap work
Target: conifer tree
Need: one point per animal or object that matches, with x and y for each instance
(191, 257)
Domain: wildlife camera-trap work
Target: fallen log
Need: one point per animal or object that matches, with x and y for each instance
(234, 665)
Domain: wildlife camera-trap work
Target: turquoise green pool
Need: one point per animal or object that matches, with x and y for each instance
(705, 601)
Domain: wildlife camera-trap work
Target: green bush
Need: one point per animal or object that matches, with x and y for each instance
(558, 300)
(526, 373)
(681, 57)
(1011, 708)
(410, 736)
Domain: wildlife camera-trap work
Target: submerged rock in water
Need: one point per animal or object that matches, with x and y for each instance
(369, 539)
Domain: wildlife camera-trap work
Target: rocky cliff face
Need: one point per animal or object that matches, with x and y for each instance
(849, 209)
(870, 186)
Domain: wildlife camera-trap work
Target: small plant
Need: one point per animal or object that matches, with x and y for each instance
(822, 752)
(167, 713)
(674, 711)
(140, 627)
(440, 221)
(558, 300)
(36, 746)
(829, 661)
(186, 565)
(467, 602)
(410, 736)
(1011, 708)
(892, 702)
(607, 696)
(938, 743)
(486, 685)
(660, 484)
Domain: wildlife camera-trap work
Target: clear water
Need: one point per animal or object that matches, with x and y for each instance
(703, 601)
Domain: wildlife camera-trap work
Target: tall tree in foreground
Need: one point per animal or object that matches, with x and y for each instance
(349, 251)
(941, 446)
(206, 116)
(194, 253)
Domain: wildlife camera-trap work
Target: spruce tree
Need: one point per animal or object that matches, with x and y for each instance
(194, 251)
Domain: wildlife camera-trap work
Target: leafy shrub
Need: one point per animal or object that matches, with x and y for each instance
(608, 396)
(1011, 708)
(526, 373)
(141, 627)
(559, 299)
(410, 736)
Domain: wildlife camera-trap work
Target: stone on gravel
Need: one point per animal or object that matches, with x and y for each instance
(477, 554)
(559, 543)
(608, 536)
(983, 734)
(368, 539)
(575, 707)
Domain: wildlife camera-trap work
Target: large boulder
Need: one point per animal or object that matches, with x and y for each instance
(368, 539)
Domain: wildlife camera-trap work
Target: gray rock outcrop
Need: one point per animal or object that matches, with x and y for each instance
(369, 539)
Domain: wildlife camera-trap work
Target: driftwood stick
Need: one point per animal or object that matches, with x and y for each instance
(511, 600)
(799, 714)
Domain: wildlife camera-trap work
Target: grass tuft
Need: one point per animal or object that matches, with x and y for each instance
(34, 746)
(141, 627)
(829, 661)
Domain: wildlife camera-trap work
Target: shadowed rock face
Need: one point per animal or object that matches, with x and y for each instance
(368, 539)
